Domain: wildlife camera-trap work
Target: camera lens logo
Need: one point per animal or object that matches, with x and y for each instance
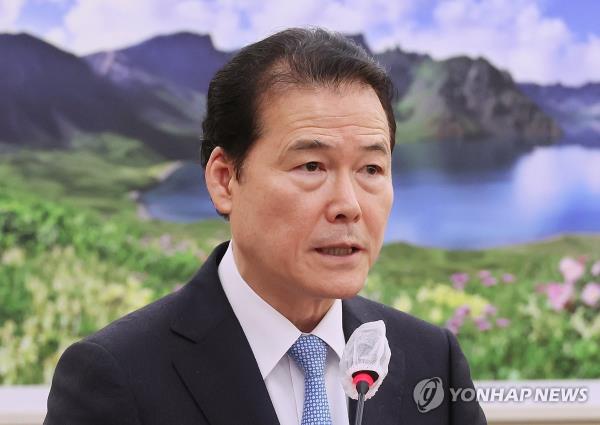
(428, 394)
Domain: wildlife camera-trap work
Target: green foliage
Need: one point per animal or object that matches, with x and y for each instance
(65, 273)
(507, 328)
(70, 297)
(38, 226)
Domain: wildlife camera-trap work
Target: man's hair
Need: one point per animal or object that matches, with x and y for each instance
(295, 57)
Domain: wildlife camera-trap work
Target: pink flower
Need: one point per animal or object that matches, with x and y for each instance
(489, 310)
(571, 269)
(484, 273)
(596, 268)
(489, 281)
(502, 322)
(454, 324)
(482, 324)
(462, 311)
(453, 328)
(458, 321)
(459, 280)
(559, 294)
(591, 294)
(508, 278)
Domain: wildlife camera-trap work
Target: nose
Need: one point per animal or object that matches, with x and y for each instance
(343, 205)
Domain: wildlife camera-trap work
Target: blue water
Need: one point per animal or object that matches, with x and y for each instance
(454, 195)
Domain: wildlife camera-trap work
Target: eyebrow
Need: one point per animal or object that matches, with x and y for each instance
(315, 144)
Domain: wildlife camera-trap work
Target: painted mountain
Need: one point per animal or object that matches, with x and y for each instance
(460, 98)
(48, 95)
(188, 59)
(576, 109)
(465, 99)
(176, 68)
(155, 92)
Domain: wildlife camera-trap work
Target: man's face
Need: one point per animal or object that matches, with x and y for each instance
(319, 176)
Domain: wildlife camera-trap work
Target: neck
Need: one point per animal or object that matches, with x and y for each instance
(305, 318)
(303, 311)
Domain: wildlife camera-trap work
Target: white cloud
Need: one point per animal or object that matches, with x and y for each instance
(56, 36)
(9, 13)
(514, 35)
(92, 25)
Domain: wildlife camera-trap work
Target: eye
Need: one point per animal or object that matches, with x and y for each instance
(374, 169)
(311, 166)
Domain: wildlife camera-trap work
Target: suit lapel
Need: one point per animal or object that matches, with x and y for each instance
(218, 368)
(385, 406)
(216, 364)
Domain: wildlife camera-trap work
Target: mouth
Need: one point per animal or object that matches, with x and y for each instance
(339, 251)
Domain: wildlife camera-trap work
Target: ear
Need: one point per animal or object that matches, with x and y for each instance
(219, 175)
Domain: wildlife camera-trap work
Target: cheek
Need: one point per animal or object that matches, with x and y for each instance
(377, 211)
(277, 206)
(380, 203)
(389, 201)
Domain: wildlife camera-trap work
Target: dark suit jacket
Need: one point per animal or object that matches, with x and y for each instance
(184, 359)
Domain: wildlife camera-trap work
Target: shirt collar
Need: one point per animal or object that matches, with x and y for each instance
(270, 343)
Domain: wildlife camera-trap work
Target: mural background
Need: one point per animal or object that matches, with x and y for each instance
(495, 227)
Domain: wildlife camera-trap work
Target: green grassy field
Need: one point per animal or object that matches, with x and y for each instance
(98, 173)
(71, 262)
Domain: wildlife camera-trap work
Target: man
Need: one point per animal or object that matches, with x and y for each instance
(298, 136)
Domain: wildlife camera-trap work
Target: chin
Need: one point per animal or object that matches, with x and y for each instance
(343, 291)
(351, 292)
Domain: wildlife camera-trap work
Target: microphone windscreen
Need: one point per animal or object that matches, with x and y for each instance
(367, 349)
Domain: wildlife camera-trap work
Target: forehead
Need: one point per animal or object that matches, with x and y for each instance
(347, 111)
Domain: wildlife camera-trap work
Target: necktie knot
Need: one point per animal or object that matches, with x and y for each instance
(310, 353)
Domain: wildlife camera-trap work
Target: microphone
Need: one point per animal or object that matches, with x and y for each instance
(364, 363)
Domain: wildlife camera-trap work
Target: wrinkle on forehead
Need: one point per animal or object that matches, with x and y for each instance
(337, 122)
(317, 114)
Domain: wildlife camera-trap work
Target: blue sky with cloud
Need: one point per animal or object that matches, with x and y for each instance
(545, 41)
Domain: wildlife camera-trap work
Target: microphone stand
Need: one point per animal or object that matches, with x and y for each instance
(362, 387)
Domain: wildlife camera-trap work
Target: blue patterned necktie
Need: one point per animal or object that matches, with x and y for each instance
(310, 352)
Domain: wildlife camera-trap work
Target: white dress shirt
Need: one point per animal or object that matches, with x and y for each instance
(271, 334)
